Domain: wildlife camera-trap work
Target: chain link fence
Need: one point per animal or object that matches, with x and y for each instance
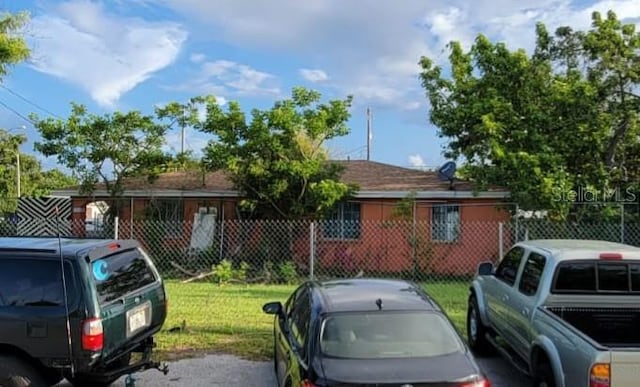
(220, 273)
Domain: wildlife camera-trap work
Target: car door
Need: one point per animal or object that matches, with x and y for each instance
(288, 336)
(282, 345)
(499, 288)
(521, 304)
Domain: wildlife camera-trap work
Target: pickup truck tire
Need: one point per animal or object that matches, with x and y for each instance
(15, 372)
(544, 376)
(476, 331)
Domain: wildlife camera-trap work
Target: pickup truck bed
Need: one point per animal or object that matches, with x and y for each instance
(609, 327)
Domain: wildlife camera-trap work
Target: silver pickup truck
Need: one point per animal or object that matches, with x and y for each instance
(565, 312)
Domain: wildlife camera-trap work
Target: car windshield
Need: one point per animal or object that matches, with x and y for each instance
(377, 335)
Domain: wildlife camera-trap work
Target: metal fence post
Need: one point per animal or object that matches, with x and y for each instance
(312, 248)
(500, 240)
(115, 227)
(621, 223)
(221, 246)
(517, 238)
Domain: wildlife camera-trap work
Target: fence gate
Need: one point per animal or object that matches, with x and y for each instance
(37, 216)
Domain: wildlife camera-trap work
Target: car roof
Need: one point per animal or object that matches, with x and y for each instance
(360, 294)
(564, 249)
(50, 245)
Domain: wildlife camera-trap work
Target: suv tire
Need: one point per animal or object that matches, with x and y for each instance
(15, 372)
(476, 330)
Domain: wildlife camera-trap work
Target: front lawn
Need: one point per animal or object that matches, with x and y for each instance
(206, 317)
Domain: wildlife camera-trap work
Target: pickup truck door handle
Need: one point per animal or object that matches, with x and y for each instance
(505, 298)
(525, 312)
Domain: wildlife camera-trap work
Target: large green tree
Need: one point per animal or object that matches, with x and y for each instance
(13, 47)
(276, 158)
(33, 180)
(545, 124)
(104, 148)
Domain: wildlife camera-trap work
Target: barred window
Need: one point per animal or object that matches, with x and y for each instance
(170, 214)
(445, 222)
(343, 222)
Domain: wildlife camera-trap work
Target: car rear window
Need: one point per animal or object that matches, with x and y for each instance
(597, 277)
(388, 335)
(119, 274)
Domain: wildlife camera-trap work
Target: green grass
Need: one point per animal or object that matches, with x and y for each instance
(208, 318)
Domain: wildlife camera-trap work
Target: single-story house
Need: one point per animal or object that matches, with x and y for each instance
(454, 220)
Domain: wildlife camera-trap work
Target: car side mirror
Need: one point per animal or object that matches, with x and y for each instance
(272, 307)
(485, 268)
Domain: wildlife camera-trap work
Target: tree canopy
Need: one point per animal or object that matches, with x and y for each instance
(277, 159)
(33, 180)
(544, 124)
(104, 149)
(13, 47)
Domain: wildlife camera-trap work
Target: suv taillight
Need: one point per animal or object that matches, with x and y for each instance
(92, 335)
(480, 383)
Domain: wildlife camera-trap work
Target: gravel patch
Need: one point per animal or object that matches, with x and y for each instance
(230, 371)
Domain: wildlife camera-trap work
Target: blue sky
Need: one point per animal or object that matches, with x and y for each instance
(135, 54)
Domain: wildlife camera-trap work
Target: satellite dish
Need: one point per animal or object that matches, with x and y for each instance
(447, 171)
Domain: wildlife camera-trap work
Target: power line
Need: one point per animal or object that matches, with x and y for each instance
(17, 113)
(30, 102)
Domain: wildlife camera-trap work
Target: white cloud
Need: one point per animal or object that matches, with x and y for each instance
(197, 57)
(102, 53)
(416, 160)
(314, 75)
(224, 77)
(372, 49)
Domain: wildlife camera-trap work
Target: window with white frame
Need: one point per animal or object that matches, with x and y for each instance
(445, 222)
(343, 222)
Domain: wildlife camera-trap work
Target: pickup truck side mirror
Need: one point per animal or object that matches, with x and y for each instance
(485, 268)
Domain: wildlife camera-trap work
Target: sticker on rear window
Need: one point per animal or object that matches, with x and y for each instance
(100, 270)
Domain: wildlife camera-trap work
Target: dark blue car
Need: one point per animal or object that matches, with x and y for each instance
(368, 332)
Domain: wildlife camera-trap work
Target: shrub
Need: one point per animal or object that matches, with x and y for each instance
(287, 272)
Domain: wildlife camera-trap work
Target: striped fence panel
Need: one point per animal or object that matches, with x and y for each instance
(39, 217)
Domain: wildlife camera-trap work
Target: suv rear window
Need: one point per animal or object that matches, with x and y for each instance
(117, 275)
(388, 335)
(597, 277)
(34, 283)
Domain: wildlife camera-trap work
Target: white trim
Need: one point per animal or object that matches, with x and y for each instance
(432, 195)
(174, 193)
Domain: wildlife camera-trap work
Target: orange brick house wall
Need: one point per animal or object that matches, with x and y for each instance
(383, 246)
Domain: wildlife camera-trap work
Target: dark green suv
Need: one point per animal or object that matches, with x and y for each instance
(82, 323)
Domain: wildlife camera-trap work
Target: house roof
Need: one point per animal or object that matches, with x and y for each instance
(374, 179)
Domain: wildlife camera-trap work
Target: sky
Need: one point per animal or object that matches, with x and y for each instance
(138, 54)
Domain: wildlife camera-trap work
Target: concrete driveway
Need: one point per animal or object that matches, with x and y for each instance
(230, 371)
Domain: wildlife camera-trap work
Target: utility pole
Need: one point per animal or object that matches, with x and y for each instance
(182, 135)
(18, 171)
(369, 134)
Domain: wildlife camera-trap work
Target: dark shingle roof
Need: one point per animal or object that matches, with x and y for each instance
(368, 175)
